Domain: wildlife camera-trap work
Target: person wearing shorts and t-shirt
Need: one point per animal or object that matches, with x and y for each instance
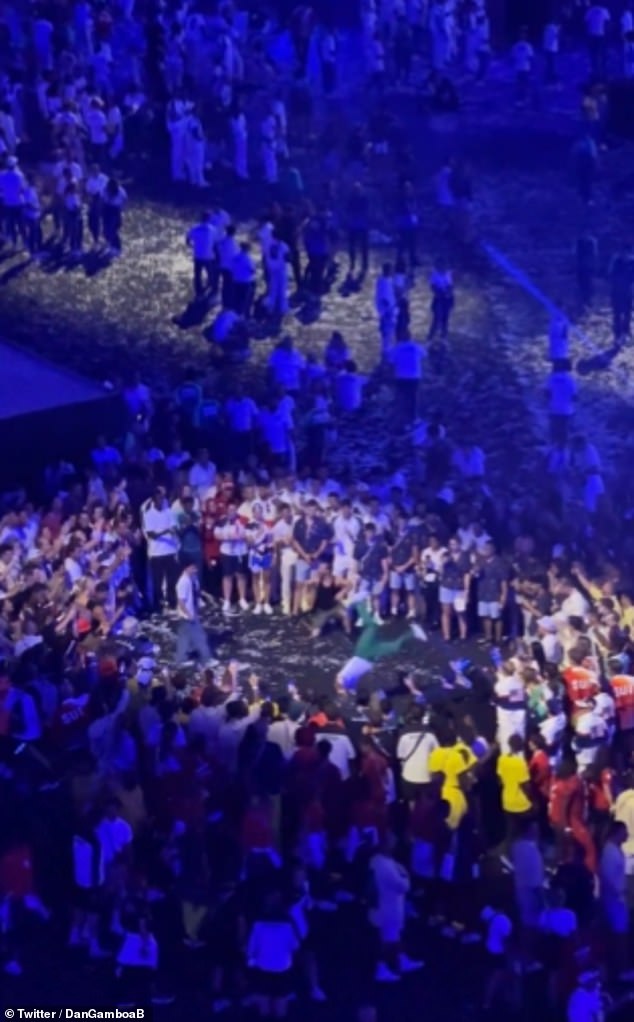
(454, 586)
(492, 591)
(311, 536)
(233, 554)
(372, 559)
(403, 560)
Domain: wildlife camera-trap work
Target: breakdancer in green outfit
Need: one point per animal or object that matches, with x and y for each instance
(371, 648)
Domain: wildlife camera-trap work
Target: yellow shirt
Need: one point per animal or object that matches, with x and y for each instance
(451, 762)
(627, 619)
(513, 772)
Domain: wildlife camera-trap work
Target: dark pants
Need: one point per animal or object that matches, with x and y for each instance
(226, 295)
(621, 315)
(241, 444)
(441, 307)
(551, 67)
(32, 231)
(242, 297)
(596, 46)
(296, 266)
(12, 217)
(585, 180)
(329, 72)
(206, 267)
(73, 229)
(406, 394)
(315, 273)
(406, 247)
(191, 638)
(585, 284)
(358, 243)
(112, 226)
(94, 219)
(163, 571)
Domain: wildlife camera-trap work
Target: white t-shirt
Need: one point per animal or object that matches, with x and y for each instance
(585, 1006)
(286, 367)
(138, 950)
(97, 124)
(562, 922)
(348, 388)
(114, 836)
(186, 594)
(575, 605)
(523, 54)
(156, 520)
(551, 38)
(202, 477)
(499, 929)
(272, 946)
(342, 751)
(88, 863)
(202, 238)
(274, 428)
(596, 20)
(562, 391)
(413, 751)
(241, 414)
(407, 359)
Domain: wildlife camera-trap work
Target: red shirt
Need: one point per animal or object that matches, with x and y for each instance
(215, 509)
(16, 872)
(567, 804)
(541, 774)
(581, 684)
(257, 831)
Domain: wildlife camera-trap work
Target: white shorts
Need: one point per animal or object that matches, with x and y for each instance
(342, 565)
(455, 598)
(490, 610)
(353, 670)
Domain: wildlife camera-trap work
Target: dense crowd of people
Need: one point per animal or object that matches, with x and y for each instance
(156, 798)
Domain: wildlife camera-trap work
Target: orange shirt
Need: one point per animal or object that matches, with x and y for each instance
(623, 691)
(581, 684)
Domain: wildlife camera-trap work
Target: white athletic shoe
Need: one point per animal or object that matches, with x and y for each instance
(418, 631)
(258, 608)
(407, 964)
(243, 605)
(226, 607)
(268, 609)
(385, 975)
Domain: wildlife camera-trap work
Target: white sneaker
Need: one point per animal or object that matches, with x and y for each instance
(243, 605)
(268, 609)
(418, 631)
(258, 608)
(408, 964)
(411, 615)
(226, 607)
(385, 975)
(378, 620)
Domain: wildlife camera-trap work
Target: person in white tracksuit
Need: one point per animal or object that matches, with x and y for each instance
(195, 149)
(240, 135)
(276, 260)
(510, 704)
(177, 117)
